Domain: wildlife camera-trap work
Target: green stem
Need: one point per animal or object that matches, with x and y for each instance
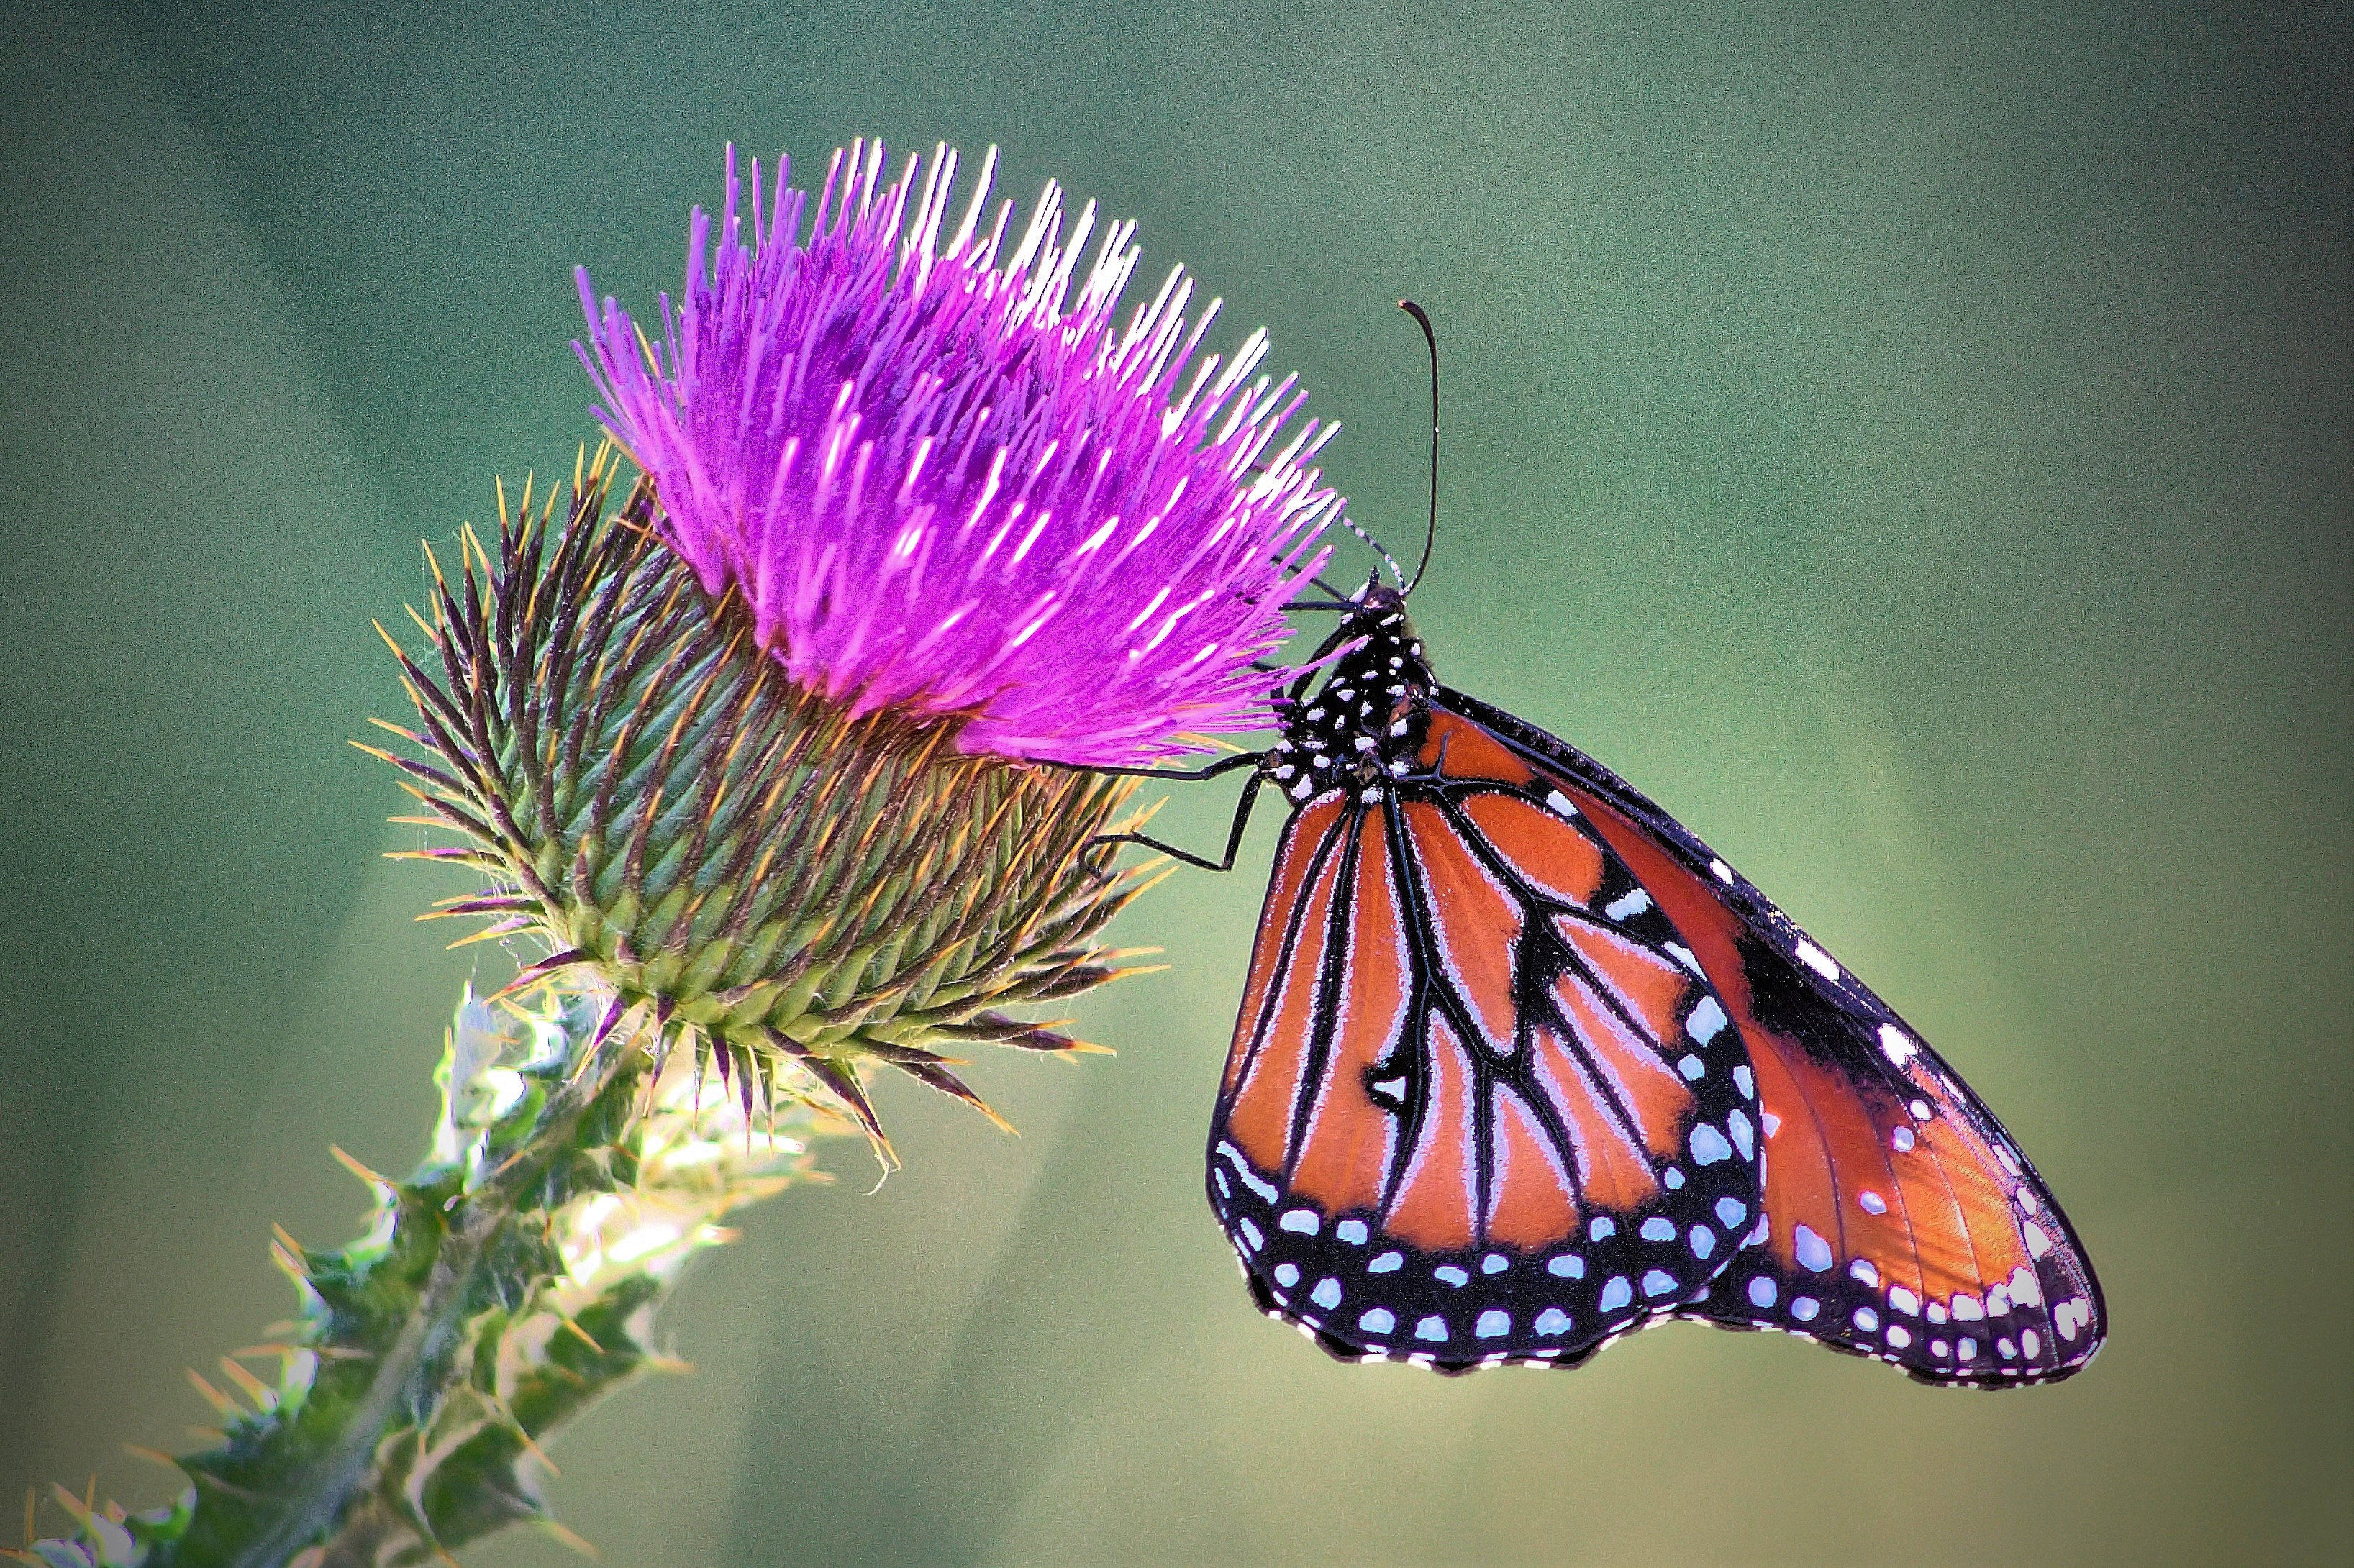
(324, 1495)
(507, 1285)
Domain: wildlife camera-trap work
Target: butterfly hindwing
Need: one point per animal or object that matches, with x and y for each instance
(1481, 1104)
(1901, 1221)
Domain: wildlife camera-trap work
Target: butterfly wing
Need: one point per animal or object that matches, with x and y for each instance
(1901, 1221)
(1479, 1108)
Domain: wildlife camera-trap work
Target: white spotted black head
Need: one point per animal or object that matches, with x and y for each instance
(1359, 727)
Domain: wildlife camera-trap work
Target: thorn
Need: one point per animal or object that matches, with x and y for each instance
(842, 1080)
(373, 1177)
(252, 1387)
(286, 1239)
(222, 1404)
(574, 1539)
(532, 974)
(152, 1456)
(491, 933)
(409, 736)
(948, 1084)
(32, 1511)
(573, 1326)
(531, 1447)
(1161, 867)
(72, 1504)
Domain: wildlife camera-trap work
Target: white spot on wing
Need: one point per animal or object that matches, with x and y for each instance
(1817, 960)
(1627, 906)
(1705, 1020)
(1737, 1121)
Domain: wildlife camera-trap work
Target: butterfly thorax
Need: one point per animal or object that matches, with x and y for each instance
(1357, 729)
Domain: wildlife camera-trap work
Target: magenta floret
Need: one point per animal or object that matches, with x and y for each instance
(947, 482)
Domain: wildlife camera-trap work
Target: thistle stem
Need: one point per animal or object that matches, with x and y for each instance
(404, 1380)
(484, 1309)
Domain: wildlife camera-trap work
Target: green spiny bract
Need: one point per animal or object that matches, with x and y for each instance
(649, 793)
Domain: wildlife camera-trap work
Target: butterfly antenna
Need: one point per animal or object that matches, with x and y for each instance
(1379, 548)
(1430, 338)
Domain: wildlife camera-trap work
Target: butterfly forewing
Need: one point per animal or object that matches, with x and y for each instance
(1900, 1219)
(1482, 1104)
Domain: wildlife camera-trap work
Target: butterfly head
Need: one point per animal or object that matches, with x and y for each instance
(1359, 727)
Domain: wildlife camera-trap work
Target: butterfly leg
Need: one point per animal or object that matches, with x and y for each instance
(1233, 835)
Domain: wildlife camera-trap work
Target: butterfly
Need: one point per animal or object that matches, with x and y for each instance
(1522, 1065)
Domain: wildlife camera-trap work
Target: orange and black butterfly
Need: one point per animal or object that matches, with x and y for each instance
(1522, 1066)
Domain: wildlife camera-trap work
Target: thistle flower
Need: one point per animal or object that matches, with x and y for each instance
(755, 761)
(945, 484)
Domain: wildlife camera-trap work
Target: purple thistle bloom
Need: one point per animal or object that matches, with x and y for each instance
(944, 483)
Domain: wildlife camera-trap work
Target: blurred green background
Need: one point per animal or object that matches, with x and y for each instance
(1910, 441)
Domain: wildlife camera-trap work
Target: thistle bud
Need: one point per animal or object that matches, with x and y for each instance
(768, 874)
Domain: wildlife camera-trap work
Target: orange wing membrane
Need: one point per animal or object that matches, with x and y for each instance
(1480, 1106)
